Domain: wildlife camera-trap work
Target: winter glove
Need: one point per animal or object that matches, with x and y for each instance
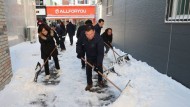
(96, 68)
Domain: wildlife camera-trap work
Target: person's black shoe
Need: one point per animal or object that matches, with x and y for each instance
(83, 67)
(63, 50)
(101, 84)
(88, 87)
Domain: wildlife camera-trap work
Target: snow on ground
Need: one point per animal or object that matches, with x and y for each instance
(148, 88)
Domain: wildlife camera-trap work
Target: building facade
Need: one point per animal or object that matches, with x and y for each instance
(19, 15)
(5, 63)
(75, 11)
(154, 31)
(65, 2)
(15, 16)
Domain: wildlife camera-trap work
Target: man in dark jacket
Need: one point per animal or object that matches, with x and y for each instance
(56, 36)
(94, 48)
(81, 32)
(61, 32)
(71, 31)
(99, 26)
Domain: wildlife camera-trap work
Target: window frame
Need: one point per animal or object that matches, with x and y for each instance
(171, 12)
(109, 6)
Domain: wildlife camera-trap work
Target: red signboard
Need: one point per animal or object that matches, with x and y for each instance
(71, 11)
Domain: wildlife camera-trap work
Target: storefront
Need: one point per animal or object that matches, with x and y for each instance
(74, 14)
(40, 12)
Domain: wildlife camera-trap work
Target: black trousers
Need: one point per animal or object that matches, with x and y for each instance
(89, 71)
(83, 56)
(107, 48)
(62, 40)
(71, 38)
(47, 65)
(83, 62)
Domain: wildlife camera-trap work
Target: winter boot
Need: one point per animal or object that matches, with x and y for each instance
(88, 87)
(101, 84)
(57, 71)
(47, 77)
(83, 67)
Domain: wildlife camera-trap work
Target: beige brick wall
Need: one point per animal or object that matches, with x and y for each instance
(5, 62)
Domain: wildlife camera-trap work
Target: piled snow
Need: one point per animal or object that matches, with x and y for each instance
(148, 87)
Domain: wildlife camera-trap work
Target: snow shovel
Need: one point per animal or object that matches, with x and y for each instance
(38, 71)
(102, 75)
(120, 59)
(111, 69)
(112, 50)
(41, 66)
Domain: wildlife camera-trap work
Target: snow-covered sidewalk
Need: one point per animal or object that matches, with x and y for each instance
(148, 88)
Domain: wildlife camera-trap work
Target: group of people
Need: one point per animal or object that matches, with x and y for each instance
(89, 47)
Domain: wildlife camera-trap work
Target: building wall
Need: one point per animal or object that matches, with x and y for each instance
(65, 2)
(19, 15)
(5, 63)
(139, 29)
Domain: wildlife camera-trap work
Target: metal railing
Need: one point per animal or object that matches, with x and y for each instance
(177, 11)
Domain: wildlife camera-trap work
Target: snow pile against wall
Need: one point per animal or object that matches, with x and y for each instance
(148, 87)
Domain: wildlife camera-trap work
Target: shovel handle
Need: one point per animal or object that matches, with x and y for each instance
(48, 57)
(102, 75)
(112, 49)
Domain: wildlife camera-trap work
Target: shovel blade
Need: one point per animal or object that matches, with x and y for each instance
(111, 69)
(38, 70)
(36, 75)
(38, 65)
(122, 59)
(126, 57)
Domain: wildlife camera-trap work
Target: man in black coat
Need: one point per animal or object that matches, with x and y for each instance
(56, 36)
(61, 32)
(99, 26)
(81, 32)
(71, 31)
(94, 48)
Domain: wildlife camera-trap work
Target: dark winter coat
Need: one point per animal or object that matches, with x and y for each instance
(94, 48)
(60, 31)
(107, 38)
(70, 29)
(64, 29)
(56, 36)
(47, 46)
(97, 29)
(80, 31)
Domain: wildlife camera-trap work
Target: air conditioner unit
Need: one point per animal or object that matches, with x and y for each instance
(31, 34)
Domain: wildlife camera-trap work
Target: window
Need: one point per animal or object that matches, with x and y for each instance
(109, 8)
(82, 1)
(177, 11)
(37, 2)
